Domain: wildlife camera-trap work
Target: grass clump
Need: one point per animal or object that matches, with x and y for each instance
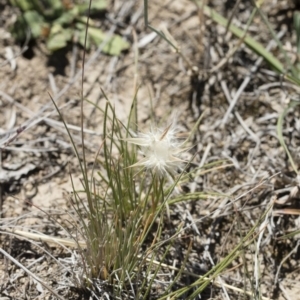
(121, 206)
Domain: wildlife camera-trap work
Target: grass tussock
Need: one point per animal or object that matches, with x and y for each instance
(122, 198)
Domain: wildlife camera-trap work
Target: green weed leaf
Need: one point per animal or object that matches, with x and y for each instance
(35, 22)
(51, 9)
(115, 44)
(64, 24)
(22, 4)
(68, 17)
(98, 5)
(81, 39)
(58, 38)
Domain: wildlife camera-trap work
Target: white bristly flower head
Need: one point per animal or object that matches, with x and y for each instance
(161, 150)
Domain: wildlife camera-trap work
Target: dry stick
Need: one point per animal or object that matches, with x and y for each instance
(294, 250)
(256, 270)
(31, 122)
(236, 5)
(59, 94)
(74, 58)
(285, 293)
(206, 253)
(46, 238)
(279, 84)
(30, 273)
(237, 115)
(243, 124)
(1, 195)
(225, 59)
(56, 124)
(21, 274)
(41, 247)
(261, 183)
(218, 277)
(247, 79)
(71, 243)
(201, 17)
(9, 126)
(52, 84)
(23, 49)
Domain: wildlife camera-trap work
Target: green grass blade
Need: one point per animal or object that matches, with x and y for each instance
(250, 42)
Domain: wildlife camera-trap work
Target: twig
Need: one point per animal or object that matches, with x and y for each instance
(71, 243)
(24, 48)
(30, 273)
(248, 78)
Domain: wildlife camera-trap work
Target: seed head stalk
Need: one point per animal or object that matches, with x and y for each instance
(161, 151)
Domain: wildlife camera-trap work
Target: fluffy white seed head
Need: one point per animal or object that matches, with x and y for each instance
(161, 150)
